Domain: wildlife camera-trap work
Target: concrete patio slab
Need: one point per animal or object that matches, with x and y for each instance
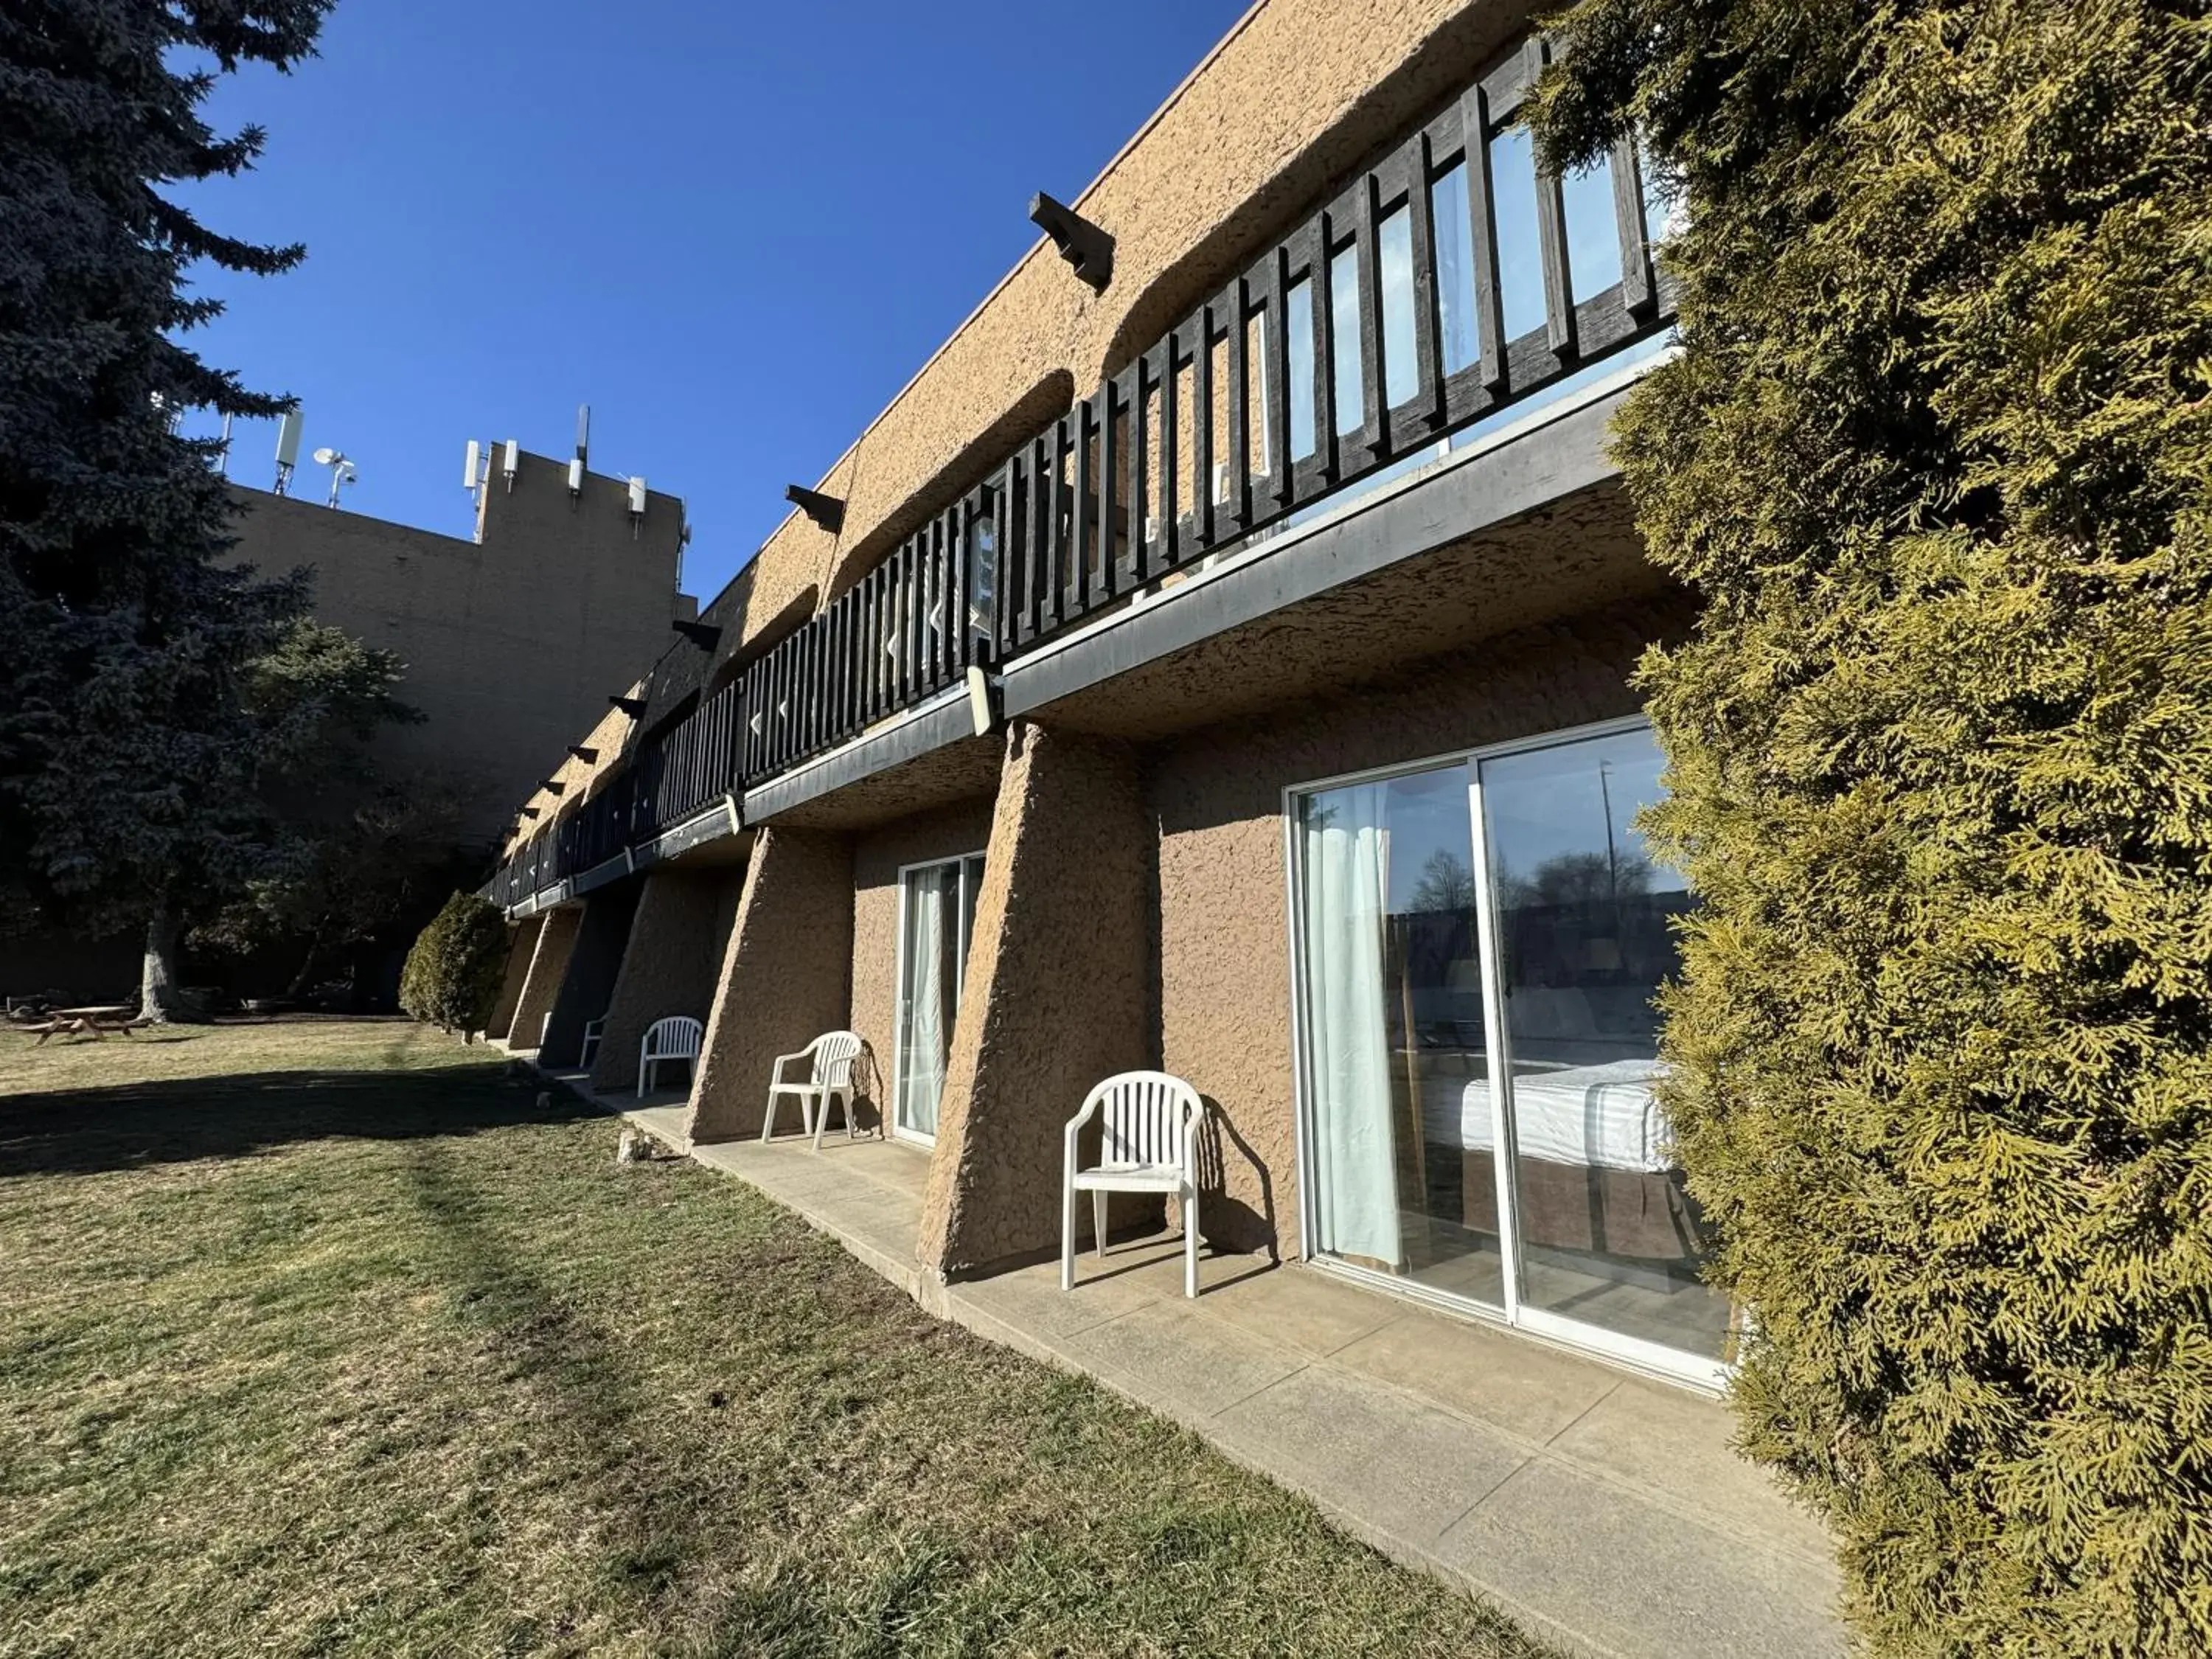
(1602, 1511)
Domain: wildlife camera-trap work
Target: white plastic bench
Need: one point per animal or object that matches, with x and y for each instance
(829, 1076)
(676, 1037)
(1147, 1146)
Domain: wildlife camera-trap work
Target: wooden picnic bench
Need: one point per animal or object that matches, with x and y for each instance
(95, 1022)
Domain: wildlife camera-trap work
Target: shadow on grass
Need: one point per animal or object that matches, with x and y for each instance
(175, 1121)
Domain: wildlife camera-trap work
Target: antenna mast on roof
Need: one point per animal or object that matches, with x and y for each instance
(583, 450)
(289, 426)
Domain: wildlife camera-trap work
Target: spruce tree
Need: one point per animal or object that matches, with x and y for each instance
(125, 646)
(1937, 459)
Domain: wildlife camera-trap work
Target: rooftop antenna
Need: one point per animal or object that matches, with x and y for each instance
(342, 471)
(289, 426)
(583, 450)
(222, 455)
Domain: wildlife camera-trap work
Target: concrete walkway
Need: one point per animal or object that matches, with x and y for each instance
(1601, 1511)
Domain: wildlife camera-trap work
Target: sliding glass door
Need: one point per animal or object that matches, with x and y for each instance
(1479, 944)
(937, 914)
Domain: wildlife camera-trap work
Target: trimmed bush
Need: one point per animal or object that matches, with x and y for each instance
(453, 972)
(1937, 459)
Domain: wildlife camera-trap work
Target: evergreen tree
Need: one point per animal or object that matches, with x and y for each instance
(126, 648)
(1937, 458)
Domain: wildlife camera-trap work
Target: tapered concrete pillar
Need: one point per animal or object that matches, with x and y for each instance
(676, 942)
(549, 966)
(521, 947)
(1057, 995)
(593, 961)
(786, 976)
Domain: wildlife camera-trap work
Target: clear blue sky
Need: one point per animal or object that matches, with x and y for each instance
(734, 230)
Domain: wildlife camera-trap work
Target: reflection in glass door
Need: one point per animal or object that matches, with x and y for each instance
(1478, 947)
(937, 914)
(1394, 1031)
(1581, 915)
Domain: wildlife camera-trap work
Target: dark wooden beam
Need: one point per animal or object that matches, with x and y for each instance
(827, 511)
(1087, 248)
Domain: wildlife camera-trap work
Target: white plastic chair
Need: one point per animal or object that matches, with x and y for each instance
(588, 1049)
(829, 1077)
(676, 1037)
(1147, 1146)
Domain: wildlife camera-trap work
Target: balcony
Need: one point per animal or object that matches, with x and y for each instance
(1449, 283)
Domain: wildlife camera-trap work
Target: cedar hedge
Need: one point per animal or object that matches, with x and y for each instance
(1937, 459)
(452, 974)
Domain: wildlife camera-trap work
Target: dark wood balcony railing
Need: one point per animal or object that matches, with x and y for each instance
(1441, 286)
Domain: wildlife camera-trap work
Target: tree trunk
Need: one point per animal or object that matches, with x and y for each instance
(305, 977)
(161, 1001)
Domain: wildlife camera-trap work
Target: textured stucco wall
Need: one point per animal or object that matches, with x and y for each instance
(1057, 995)
(1223, 899)
(593, 961)
(549, 966)
(1299, 93)
(786, 978)
(521, 947)
(948, 832)
(676, 943)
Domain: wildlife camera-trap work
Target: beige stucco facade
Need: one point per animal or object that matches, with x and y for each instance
(1134, 908)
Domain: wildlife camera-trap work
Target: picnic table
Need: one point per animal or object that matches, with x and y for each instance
(96, 1021)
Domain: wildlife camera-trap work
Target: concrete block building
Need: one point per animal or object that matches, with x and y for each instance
(514, 638)
(1223, 666)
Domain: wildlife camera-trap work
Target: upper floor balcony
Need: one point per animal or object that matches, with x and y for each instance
(1446, 289)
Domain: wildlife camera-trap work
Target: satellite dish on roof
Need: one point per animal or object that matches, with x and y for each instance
(325, 455)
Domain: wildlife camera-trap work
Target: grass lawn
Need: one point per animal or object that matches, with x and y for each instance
(326, 1338)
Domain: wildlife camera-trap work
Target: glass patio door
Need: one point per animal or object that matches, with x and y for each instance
(937, 914)
(1478, 946)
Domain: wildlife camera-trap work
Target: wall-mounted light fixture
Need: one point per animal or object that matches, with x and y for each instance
(827, 511)
(633, 706)
(702, 635)
(1084, 246)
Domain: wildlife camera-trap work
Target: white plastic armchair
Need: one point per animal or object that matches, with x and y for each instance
(1147, 1146)
(829, 1076)
(676, 1037)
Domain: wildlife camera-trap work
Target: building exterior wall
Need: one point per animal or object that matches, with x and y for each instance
(878, 857)
(1057, 995)
(593, 961)
(522, 945)
(512, 641)
(1297, 94)
(786, 979)
(1223, 902)
(677, 942)
(549, 966)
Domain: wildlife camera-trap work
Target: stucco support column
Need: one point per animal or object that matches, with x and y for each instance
(549, 966)
(1057, 995)
(521, 947)
(786, 976)
(593, 961)
(668, 966)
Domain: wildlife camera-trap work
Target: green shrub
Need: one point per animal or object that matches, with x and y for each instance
(1937, 459)
(453, 972)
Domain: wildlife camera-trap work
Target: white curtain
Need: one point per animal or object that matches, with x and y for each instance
(1347, 1037)
(921, 1057)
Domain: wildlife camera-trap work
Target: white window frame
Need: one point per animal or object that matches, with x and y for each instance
(1635, 1354)
(897, 1080)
